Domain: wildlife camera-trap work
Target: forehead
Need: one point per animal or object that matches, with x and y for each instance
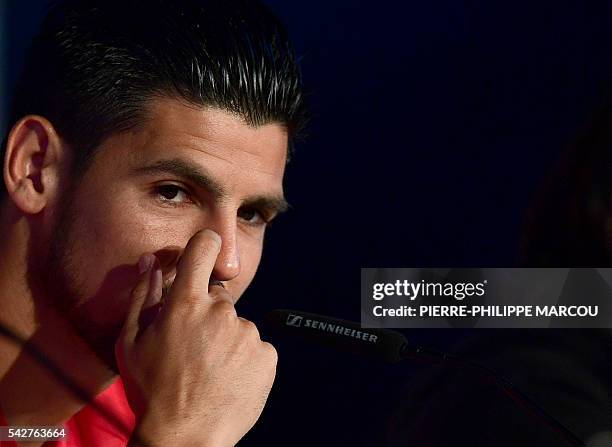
(219, 137)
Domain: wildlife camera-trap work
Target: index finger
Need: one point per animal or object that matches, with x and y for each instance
(193, 272)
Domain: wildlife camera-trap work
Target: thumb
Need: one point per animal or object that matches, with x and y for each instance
(145, 292)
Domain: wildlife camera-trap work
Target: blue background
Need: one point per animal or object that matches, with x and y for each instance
(434, 124)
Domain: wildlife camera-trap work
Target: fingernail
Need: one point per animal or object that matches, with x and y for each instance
(145, 263)
(214, 235)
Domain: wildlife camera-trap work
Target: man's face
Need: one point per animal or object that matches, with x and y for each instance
(151, 190)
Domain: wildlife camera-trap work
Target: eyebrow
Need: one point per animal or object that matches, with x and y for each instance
(273, 204)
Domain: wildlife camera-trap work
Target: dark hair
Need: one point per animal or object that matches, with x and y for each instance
(95, 64)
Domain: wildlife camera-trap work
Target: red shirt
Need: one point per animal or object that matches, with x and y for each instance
(90, 428)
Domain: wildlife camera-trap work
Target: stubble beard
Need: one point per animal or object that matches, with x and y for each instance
(62, 289)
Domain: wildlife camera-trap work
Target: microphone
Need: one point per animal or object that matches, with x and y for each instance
(382, 344)
(391, 346)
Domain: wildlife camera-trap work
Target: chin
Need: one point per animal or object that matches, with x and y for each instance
(101, 341)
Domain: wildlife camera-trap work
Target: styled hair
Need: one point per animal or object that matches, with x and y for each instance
(95, 65)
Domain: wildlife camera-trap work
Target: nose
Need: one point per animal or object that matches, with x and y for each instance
(227, 266)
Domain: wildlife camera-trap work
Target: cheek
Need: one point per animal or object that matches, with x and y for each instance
(109, 237)
(250, 257)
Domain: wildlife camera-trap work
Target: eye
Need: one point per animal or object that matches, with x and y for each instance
(172, 194)
(252, 217)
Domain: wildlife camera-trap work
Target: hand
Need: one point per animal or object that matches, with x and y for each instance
(197, 375)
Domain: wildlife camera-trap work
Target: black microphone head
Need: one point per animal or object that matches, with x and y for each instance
(382, 344)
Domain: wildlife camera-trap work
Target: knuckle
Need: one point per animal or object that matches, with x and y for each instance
(224, 307)
(188, 296)
(270, 351)
(250, 328)
(189, 293)
(137, 292)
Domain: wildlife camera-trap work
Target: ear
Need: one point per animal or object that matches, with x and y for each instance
(35, 155)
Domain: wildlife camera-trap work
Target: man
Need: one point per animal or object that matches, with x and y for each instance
(145, 157)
